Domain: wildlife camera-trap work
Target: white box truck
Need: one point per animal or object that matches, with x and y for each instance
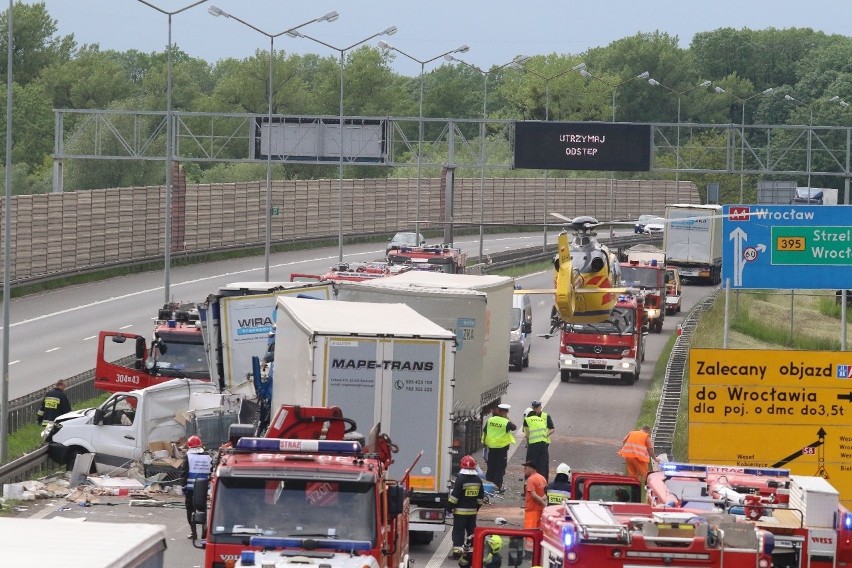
(82, 545)
(237, 321)
(381, 364)
(692, 241)
(477, 309)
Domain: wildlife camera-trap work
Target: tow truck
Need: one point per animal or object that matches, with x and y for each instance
(306, 490)
(615, 347)
(126, 361)
(811, 527)
(594, 534)
(443, 258)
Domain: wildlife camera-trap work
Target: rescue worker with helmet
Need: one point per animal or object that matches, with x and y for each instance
(637, 449)
(560, 489)
(196, 465)
(465, 499)
(491, 557)
(538, 427)
(497, 436)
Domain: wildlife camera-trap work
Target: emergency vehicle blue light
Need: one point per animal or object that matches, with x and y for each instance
(171, 323)
(299, 446)
(569, 537)
(274, 542)
(847, 521)
(654, 262)
(247, 558)
(675, 467)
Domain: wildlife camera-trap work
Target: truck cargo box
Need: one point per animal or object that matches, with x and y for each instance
(816, 499)
(476, 309)
(381, 364)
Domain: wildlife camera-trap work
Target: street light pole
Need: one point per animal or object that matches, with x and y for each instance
(547, 80)
(518, 60)
(167, 244)
(7, 244)
(342, 50)
(386, 46)
(743, 102)
(810, 107)
(329, 17)
(581, 67)
(679, 94)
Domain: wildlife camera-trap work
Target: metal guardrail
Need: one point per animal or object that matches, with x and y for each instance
(28, 466)
(668, 408)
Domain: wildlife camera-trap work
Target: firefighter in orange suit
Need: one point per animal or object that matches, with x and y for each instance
(637, 449)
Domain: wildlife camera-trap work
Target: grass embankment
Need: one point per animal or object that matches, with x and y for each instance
(759, 319)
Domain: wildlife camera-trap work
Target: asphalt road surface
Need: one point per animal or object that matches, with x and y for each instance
(591, 417)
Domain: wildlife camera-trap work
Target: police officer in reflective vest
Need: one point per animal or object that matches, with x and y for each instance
(560, 489)
(497, 436)
(538, 427)
(196, 465)
(465, 500)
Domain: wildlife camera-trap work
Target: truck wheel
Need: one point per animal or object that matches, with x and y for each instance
(565, 376)
(658, 326)
(627, 379)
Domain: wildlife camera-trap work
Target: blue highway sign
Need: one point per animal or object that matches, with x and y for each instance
(800, 247)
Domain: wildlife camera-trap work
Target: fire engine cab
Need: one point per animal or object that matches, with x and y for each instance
(126, 362)
(305, 490)
(650, 278)
(594, 534)
(614, 348)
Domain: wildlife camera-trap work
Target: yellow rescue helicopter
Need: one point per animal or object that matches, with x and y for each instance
(587, 275)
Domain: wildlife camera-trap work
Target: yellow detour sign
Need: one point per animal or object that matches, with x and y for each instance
(769, 408)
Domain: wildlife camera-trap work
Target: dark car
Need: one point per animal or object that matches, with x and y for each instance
(643, 220)
(401, 240)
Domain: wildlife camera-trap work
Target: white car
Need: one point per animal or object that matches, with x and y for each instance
(655, 226)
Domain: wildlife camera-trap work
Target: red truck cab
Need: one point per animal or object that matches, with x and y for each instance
(126, 362)
(614, 348)
(649, 279)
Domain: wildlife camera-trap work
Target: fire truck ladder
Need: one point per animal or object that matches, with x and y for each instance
(595, 521)
(667, 410)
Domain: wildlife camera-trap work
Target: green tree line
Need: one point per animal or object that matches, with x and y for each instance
(54, 72)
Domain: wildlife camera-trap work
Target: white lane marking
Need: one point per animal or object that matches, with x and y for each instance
(443, 550)
(53, 349)
(126, 326)
(194, 281)
(90, 337)
(15, 361)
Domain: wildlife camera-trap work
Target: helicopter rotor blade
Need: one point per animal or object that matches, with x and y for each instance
(563, 217)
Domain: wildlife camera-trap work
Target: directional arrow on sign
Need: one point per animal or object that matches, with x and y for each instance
(739, 237)
(846, 397)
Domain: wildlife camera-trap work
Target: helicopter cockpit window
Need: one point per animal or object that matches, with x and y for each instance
(621, 320)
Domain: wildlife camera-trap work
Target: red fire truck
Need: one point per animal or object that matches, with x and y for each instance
(443, 258)
(127, 362)
(615, 347)
(648, 277)
(596, 534)
(301, 491)
(811, 527)
(352, 272)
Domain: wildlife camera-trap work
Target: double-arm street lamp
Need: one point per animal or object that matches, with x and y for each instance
(518, 60)
(581, 67)
(547, 79)
(743, 101)
(342, 50)
(167, 245)
(654, 83)
(330, 17)
(423, 62)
